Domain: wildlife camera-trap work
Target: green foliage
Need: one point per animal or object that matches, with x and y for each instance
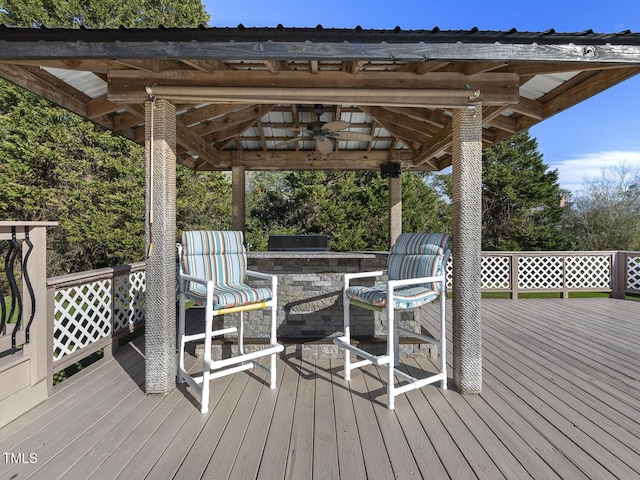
(520, 198)
(351, 208)
(103, 13)
(203, 200)
(56, 166)
(605, 213)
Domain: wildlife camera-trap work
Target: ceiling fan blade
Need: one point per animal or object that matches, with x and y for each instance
(292, 140)
(355, 136)
(324, 145)
(336, 126)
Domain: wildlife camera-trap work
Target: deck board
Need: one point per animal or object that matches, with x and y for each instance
(561, 399)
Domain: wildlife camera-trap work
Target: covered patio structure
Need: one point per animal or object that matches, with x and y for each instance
(233, 99)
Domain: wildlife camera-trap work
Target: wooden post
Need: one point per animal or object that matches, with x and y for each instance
(25, 373)
(238, 196)
(160, 328)
(467, 259)
(395, 209)
(618, 274)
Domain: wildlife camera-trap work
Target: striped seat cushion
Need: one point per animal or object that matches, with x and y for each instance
(229, 296)
(414, 255)
(403, 298)
(219, 256)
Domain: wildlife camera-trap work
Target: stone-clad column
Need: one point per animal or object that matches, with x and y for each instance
(467, 231)
(160, 327)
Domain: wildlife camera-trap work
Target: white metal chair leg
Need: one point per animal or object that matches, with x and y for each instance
(347, 336)
(391, 354)
(274, 312)
(443, 336)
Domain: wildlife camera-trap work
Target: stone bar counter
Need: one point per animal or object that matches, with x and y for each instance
(310, 308)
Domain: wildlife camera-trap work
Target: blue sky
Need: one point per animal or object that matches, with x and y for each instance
(604, 130)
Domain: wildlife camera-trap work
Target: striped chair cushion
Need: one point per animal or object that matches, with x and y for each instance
(229, 296)
(216, 255)
(219, 256)
(414, 255)
(403, 298)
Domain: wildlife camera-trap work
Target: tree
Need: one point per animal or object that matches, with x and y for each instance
(605, 213)
(103, 13)
(55, 165)
(351, 208)
(520, 198)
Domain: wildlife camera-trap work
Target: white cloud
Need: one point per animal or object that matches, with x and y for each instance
(574, 171)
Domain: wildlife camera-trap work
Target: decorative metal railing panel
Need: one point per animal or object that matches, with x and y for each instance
(17, 298)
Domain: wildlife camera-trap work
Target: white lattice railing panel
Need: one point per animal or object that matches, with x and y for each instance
(633, 273)
(81, 316)
(588, 272)
(536, 273)
(129, 306)
(450, 273)
(495, 272)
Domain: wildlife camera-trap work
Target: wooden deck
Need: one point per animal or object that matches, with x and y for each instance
(561, 399)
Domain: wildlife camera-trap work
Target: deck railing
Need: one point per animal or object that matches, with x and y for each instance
(614, 272)
(91, 310)
(24, 338)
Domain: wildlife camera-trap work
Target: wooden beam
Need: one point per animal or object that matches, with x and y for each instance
(529, 108)
(208, 66)
(292, 160)
(408, 136)
(100, 106)
(231, 119)
(441, 142)
(129, 86)
(198, 115)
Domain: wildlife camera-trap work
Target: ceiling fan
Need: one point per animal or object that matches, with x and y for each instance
(322, 132)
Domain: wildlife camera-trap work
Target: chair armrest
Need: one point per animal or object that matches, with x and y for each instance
(414, 281)
(266, 276)
(349, 276)
(189, 278)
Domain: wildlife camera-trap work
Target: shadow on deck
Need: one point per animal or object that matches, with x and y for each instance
(561, 399)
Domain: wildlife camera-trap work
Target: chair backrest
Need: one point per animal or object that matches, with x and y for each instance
(416, 255)
(215, 255)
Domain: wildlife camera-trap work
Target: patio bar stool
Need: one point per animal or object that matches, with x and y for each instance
(416, 271)
(212, 272)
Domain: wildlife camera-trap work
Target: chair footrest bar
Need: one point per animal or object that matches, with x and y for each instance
(214, 333)
(420, 336)
(231, 370)
(375, 359)
(361, 363)
(405, 376)
(417, 384)
(194, 382)
(216, 364)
